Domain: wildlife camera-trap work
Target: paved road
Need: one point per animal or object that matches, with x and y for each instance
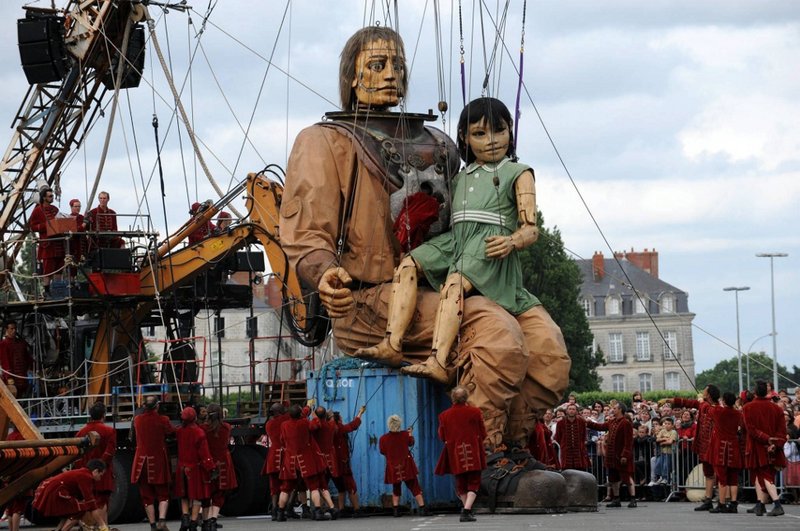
(648, 516)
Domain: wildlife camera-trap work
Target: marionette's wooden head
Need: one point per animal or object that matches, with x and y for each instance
(372, 70)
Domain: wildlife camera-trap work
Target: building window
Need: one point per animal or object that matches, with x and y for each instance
(645, 382)
(587, 307)
(638, 304)
(612, 306)
(615, 354)
(667, 303)
(618, 383)
(219, 326)
(642, 346)
(670, 345)
(672, 381)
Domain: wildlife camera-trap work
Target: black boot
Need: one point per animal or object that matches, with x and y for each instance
(718, 508)
(707, 505)
(614, 503)
(212, 524)
(759, 509)
(274, 513)
(194, 524)
(281, 516)
(306, 514)
(466, 516)
(732, 507)
(632, 504)
(777, 509)
(153, 527)
(396, 511)
(424, 511)
(753, 509)
(320, 515)
(185, 522)
(334, 512)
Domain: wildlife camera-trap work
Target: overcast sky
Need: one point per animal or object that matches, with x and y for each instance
(677, 120)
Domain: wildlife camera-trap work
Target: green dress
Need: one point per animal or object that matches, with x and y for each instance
(480, 210)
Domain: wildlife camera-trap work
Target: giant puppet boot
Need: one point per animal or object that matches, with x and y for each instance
(445, 330)
(402, 303)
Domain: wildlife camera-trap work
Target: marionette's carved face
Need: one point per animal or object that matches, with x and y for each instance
(379, 75)
(487, 143)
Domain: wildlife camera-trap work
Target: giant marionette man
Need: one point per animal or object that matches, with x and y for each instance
(360, 192)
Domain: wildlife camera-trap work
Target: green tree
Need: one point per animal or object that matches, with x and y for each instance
(556, 279)
(25, 266)
(725, 374)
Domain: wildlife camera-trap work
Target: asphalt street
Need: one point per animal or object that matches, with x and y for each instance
(653, 516)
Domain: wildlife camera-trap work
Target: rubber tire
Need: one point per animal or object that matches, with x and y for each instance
(239, 501)
(125, 504)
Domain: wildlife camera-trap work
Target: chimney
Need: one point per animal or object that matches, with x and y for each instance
(598, 266)
(646, 260)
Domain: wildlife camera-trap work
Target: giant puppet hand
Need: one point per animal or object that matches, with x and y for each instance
(334, 294)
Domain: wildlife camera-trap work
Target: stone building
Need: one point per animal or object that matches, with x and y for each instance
(641, 324)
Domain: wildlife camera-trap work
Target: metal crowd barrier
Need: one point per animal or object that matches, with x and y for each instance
(685, 470)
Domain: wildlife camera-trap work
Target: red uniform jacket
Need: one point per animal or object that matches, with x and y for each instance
(619, 443)
(201, 233)
(540, 445)
(40, 215)
(151, 461)
(400, 465)
(300, 451)
(705, 424)
(462, 430)
(68, 493)
(342, 444)
(571, 436)
(275, 453)
(15, 358)
(686, 433)
(194, 463)
(724, 448)
(104, 451)
(765, 424)
(324, 431)
(218, 446)
(102, 220)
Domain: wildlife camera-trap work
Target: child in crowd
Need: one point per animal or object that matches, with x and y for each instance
(666, 437)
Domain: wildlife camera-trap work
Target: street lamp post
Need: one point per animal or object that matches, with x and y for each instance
(747, 355)
(736, 291)
(771, 257)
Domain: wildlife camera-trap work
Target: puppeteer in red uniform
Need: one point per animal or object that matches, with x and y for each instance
(725, 452)
(15, 359)
(766, 436)
(619, 453)
(105, 450)
(202, 232)
(193, 476)
(324, 431)
(462, 429)
(69, 494)
(272, 465)
(396, 445)
(151, 468)
(50, 251)
(571, 437)
(102, 219)
(344, 481)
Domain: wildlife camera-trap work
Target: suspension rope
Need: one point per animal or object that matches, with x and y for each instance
(179, 105)
(521, 70)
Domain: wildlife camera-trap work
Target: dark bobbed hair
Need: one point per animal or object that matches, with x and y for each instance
(96, 464)
(97, 411)
(713, 392)
(347, 61)
(214, 417)
(761, 388)
(295, 411)
(729, 398)
(495, 113)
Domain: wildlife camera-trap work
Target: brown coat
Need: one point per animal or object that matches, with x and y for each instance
(765, 425)
(619, 443)
(400, 465)
(571, 437)
(151, 462)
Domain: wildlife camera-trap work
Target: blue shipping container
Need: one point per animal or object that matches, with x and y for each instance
(387, 392)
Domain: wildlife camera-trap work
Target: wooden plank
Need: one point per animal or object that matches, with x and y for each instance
(10, 407)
